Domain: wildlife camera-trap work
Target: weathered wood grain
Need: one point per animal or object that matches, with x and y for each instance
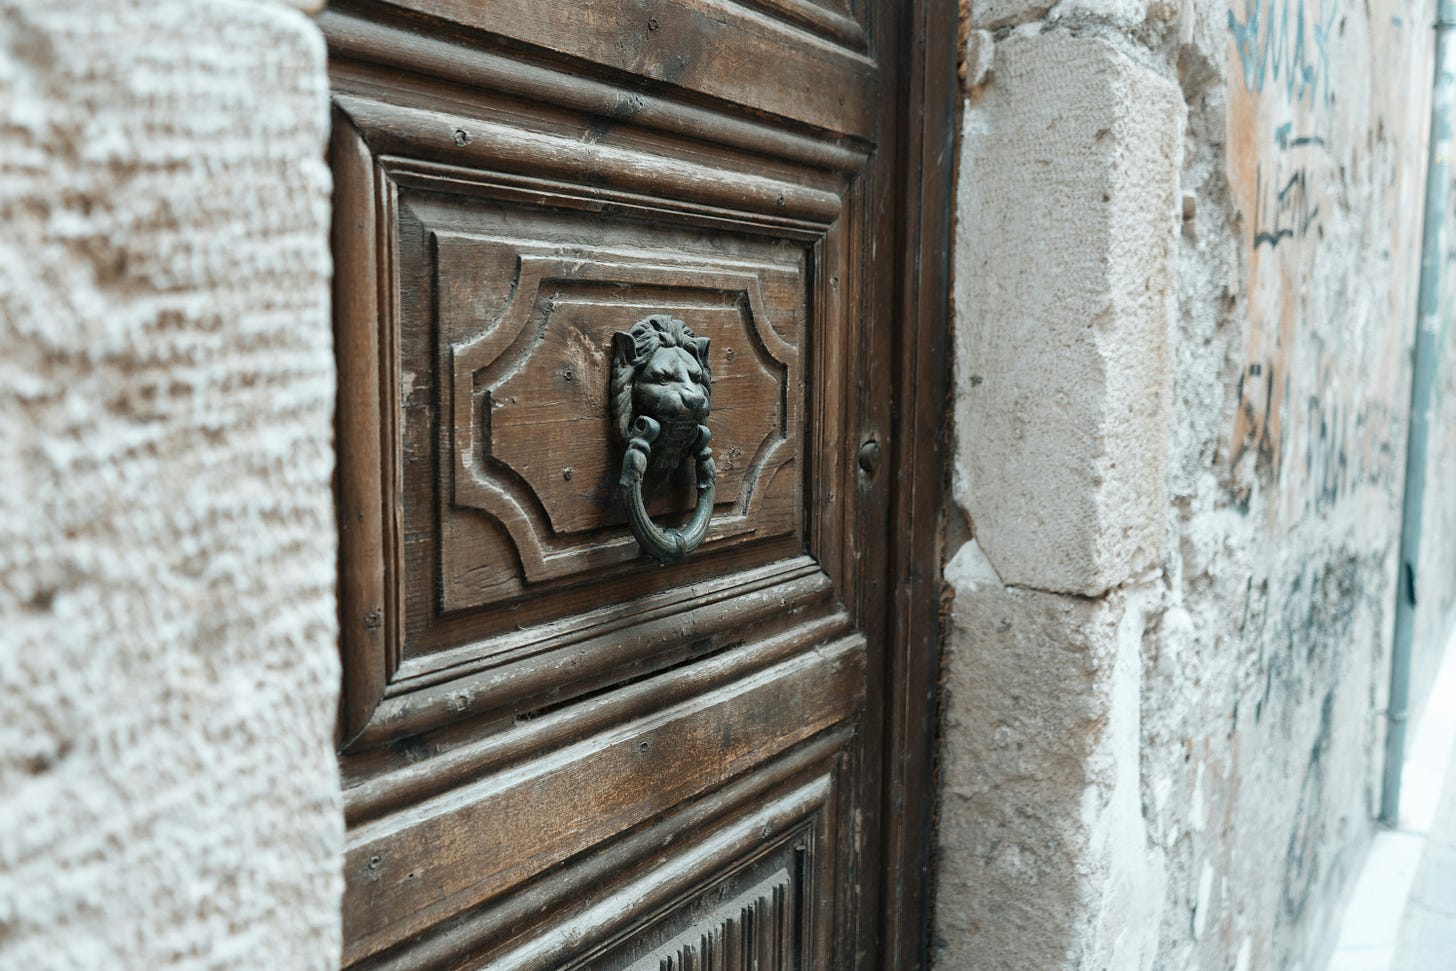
(410, 869)
(515, 182)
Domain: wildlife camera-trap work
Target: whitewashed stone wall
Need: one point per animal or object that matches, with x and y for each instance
(168, 661)
(1186, 258)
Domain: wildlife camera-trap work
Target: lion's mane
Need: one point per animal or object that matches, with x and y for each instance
(635, 347)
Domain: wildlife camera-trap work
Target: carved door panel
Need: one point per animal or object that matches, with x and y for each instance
(556, 751)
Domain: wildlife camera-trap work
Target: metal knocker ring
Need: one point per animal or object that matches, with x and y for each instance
(661, 397)
(666, 545)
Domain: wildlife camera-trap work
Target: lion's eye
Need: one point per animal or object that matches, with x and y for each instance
(664, 379)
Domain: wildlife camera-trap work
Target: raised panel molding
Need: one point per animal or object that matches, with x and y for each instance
(542, 364)
(478, 288)
(473, 155)
(800, 60)
(831, 19)
(787, 605)
(603, 786)
(665, 886)
(752, 892)
(355, 41)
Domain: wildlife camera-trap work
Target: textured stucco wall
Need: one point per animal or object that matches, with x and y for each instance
(168, 661)
(1186, 258)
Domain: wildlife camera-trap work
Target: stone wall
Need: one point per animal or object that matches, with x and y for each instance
(1186, 258)
(168, 662)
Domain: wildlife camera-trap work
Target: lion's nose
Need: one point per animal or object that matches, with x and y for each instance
(694, 402)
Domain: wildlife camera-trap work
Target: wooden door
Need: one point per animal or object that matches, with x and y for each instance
(557, 752)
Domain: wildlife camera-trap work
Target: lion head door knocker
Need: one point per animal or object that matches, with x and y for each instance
(661, 394)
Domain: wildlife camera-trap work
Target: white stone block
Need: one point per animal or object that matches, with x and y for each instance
(1042, 853)
(1064, 267)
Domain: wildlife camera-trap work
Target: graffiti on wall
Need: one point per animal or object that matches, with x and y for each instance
(1284, 47)
(1318, 387)
(1286, 203)
(1292, 53)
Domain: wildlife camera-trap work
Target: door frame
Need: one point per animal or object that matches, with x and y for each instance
(926, 109)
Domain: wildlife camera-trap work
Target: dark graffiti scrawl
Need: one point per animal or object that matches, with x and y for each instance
(1286, 206)
(1285, 209)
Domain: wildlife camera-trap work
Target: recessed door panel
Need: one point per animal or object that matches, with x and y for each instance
(531, 451)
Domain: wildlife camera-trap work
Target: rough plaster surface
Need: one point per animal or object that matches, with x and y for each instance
(1265, 676)
(1065, 229)
(168, 662)
(1229, 665)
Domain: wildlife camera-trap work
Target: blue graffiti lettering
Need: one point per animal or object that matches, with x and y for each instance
(1268, 46)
